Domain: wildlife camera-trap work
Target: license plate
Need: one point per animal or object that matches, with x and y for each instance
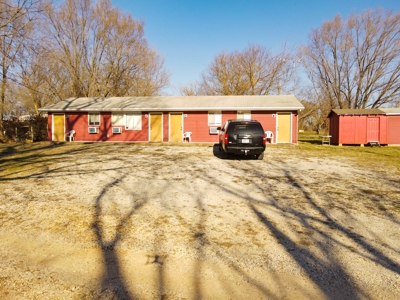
(245, 141)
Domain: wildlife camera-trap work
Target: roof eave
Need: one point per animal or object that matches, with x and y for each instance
(176, 109)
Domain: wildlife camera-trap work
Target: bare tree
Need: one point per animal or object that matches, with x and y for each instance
(355, 63)
(103, 51)
(16, 21)
(225, 76)
(15, 15)
(314, 115)
(255, 71)
(35, 85)
(191, 89)
(265, 73)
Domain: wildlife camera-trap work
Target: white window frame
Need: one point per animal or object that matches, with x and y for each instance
(120, 121)
(216, 116)
(246, 114)
(93, 123)
(137, 121)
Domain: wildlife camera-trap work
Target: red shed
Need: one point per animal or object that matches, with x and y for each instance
(167, 118)
(393, 125)
(359, 126)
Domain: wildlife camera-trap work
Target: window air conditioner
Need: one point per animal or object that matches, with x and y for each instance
(93, 129)
(213, 130)
(116, 130)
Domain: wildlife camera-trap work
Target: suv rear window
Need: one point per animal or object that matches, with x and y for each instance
(252, 127)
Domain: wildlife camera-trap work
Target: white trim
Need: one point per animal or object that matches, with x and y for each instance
(52, 125)
(93, 112)
(140, 114)
(243, 112)
(214, 112)
(123, 118)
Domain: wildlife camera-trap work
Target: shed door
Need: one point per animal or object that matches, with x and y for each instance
(373, 129)
(175, 127)
(58, 128)
(284, 125)
(155, 127)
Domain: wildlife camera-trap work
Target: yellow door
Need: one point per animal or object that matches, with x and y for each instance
(284, 127)
(175, 128)
(155, 127)
(58, 128)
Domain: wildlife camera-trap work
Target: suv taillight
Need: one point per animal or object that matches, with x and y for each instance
(226, 139)
(264, 139)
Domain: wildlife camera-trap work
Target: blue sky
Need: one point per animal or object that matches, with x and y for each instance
(189, 33)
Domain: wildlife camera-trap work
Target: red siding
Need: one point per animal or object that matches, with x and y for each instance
(358, 129)
(267, 120)
(383, 131)
(352, 130)
(79, 122)
(130, 135)
(360, 136)
(165, 126)
(49, 126)
(195, 122)
(393, 130)
(294, 127)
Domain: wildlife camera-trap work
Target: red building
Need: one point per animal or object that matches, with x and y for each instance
(393, 125)
(365, 126)
(167, 118)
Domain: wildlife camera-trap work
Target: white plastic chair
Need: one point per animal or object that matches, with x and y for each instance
(70, 135)
(270, 136)
(187, 136)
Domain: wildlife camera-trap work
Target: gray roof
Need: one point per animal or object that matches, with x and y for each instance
(178, 103)
(391, 111)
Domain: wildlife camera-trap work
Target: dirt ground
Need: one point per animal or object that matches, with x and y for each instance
(176, 222)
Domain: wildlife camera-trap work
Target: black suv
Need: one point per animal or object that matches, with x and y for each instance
(244, 137)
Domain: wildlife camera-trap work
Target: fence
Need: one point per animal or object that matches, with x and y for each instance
(33, 129)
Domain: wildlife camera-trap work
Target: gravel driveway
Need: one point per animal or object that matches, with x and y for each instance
(121, 221)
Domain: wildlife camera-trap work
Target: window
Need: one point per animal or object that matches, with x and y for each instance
(244, 115)
(94, 119)
(133, 121)
(214, 118)
(117, 119)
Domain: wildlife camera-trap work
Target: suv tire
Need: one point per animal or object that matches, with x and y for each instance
(260, 156)
(224, 155)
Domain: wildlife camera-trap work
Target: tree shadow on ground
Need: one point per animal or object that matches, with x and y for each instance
(112, 281)
(42, 161)
(326, 271)
(331, 277)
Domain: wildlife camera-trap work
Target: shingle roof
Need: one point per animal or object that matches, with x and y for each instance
(372, 111)
(178, 103)
(391, 111)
